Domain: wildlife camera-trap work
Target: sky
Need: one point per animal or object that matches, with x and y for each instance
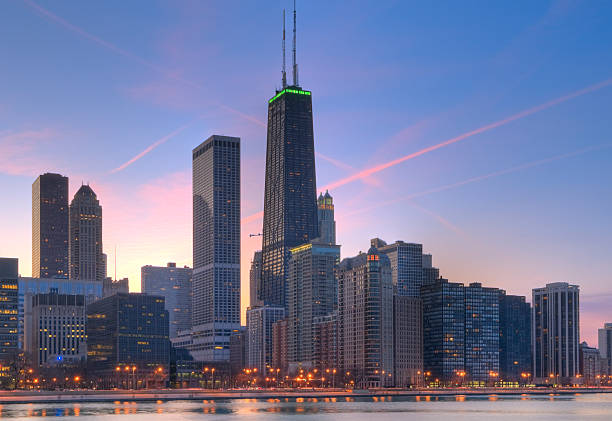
(479, 129)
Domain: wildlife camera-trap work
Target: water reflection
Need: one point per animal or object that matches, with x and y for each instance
(431, 407)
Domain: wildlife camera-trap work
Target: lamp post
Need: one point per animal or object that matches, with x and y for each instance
(134, 381)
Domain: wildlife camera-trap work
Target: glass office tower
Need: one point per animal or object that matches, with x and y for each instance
(290, 201)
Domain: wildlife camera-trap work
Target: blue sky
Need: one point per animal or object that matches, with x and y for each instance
(88, 86)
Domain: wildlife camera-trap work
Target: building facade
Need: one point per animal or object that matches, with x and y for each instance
(55, 330)
(406, 265)
(591, 367)
(85, 257)
(255, 280)
(481, 334)
(50, 226)
(326, 343)
(127, 330)
(290, 200)
(605, 347)
(174, 284)
(327, 223)
(430, 274)
(260, 321)
(280, 362)
(555, 325)
(216, 247)
(407, 341)
(514, 338)
(312, 292)
(238, 351)
(365, 313)
(443, 331)
(9, 313)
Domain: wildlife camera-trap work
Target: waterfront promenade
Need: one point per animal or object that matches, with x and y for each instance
(281, 394)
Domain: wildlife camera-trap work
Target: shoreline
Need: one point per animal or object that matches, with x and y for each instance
(93, 396)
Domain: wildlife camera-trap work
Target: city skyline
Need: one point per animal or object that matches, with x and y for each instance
(536, 161)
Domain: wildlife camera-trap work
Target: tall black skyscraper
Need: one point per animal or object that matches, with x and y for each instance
(85, 257)
(50, 226)
(290, 201)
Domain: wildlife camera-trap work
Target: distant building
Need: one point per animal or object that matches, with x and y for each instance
(127, 330)
(29, 287)
(259, 335)
(327, 224)
(255, 280)
(443, 331)
(326, 343)
(174, 284)
(216, 247)
(406, 265)
(481, 334)
(312, 291)
(85, 257)
(430, 273)
(514, 338)
(279, 348)
(9, 309)
(605, 347)
(407, 340)
(50, 226)
(55, 330)
(365, 318)
(590, 365)
(112, 287)
(556, 333)
(238, 351)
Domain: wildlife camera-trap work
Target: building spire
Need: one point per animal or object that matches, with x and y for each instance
(284, 69)
(295, 66)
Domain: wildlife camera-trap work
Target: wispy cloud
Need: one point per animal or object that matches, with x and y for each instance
(152, 146)
(373, 170)
(20, 152)
(477, 179)
(172, 75)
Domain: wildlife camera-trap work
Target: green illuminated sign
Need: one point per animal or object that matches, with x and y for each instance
(289, 91)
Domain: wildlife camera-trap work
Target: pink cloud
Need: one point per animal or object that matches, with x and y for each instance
(22, 153)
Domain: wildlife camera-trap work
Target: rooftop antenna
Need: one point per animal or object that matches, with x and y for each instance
(284, 69)
(115, 262)
(295, 66)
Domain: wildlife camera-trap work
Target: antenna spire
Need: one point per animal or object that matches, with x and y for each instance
(295, 66)
(284, 69)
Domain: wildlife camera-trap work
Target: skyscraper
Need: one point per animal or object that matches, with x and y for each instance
(312, 292)
(406, 265)
(365, 318)
(605, 347)
(290, 201)
(216, 247)
(260, 323)
(481, 333)
(50, 226)
(514, 337)
(85, 257)
(555, 333)
(430, 273)
(327, 224)
(407, 340)
(9, 312)
(174, 284)
(255, 280)
(443, 330)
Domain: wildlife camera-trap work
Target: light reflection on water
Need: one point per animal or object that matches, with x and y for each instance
(462, 407)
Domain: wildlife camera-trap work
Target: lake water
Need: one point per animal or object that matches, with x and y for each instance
(485, 407)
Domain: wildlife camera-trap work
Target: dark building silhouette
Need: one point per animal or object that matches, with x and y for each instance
(290, 198)
(85, 257)
(50, 226)
(514, 338)
(128, 332)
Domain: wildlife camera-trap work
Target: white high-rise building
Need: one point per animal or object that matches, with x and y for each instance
(556, 333)
(216, 247)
